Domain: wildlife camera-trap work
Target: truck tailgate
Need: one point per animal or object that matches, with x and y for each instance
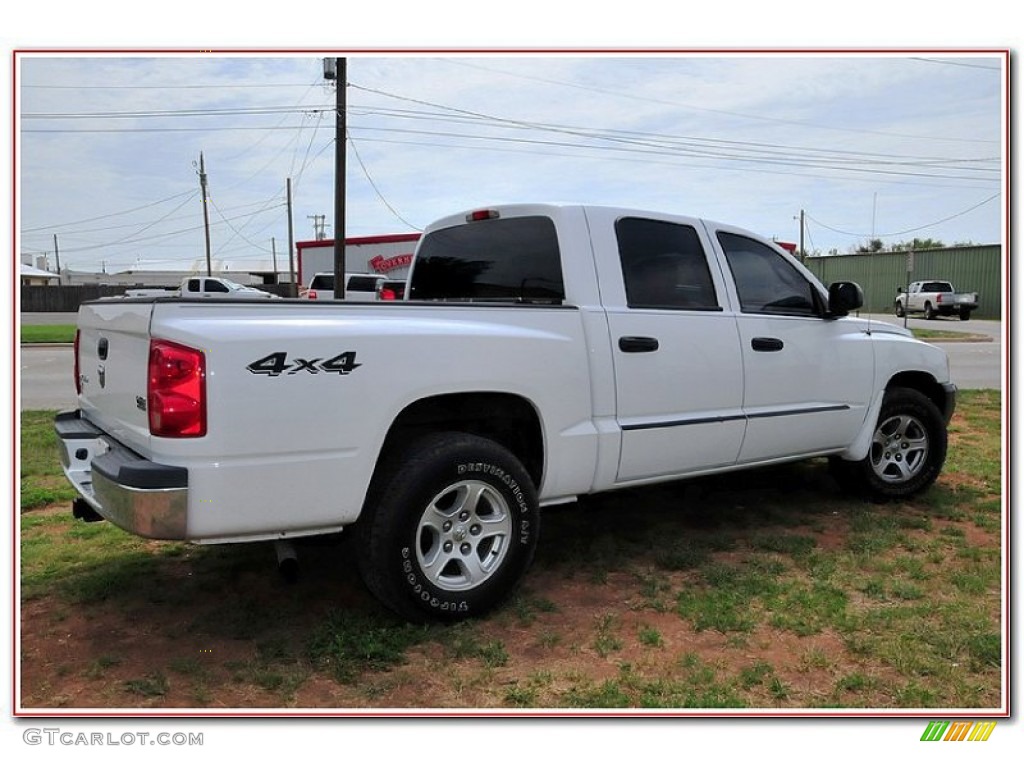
(113, 359)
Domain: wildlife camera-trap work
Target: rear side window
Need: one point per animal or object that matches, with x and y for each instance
(361, 283)
(322, 283)
(193, 285)
(495, 260)
(765, 281)
(663, 265)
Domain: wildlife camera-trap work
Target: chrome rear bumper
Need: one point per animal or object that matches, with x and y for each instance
(140, 496)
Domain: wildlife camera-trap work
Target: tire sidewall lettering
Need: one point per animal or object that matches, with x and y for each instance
(504, 483)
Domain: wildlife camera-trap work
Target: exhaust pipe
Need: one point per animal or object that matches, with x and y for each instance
(287, 560)
(81, 510)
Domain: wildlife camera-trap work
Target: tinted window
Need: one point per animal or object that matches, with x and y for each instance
(937, 288)
(498, 259)
(193, 285)
(322, 283)
(215, 286)
(663, 265)
(765, 281)
(397, 286)
(361, 283)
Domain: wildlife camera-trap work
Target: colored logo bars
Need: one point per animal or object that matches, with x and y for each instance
(944, 730)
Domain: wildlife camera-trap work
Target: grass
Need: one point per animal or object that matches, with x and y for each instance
(42, 482)
(47, 334)
(933, 334)
(767, 589)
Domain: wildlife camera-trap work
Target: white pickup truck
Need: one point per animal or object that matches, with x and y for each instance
(543, 353)
(201, 288)
(935, 298)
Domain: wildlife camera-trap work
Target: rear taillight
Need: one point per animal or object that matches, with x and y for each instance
(78, 378)
(311, 294)
(176, 394)
(386, 294)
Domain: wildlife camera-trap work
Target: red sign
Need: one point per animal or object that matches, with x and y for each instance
(384, 265)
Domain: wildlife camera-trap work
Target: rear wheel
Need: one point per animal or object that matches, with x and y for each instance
(899, 309)
(965, 314)
(452, 528)
(929, 313)
(908, 449)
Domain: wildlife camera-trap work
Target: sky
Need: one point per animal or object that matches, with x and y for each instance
(874, 144)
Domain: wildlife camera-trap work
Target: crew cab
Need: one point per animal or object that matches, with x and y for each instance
(201, 287)
(357, 287)
(543, 353)
(935, 298)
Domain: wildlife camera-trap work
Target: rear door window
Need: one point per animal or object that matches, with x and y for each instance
(361, 283)
(322, 283)
(663, 265)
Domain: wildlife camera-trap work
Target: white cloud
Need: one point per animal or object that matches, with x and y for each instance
(745, 138)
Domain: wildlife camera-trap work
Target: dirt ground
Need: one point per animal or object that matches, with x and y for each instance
(201, 629)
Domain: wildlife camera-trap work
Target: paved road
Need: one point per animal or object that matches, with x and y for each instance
(973, 365)
(46, 379)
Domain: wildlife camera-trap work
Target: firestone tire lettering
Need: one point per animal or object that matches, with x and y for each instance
(453, 529)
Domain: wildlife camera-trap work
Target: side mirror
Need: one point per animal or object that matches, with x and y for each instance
(899, 289)
(843, 298)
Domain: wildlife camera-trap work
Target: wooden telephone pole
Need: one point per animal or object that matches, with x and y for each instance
(337, 70)
(206, 212)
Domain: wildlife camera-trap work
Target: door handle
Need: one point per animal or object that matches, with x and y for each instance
(638, 344)
(766, 344)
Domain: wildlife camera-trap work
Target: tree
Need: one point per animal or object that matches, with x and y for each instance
(871, 246)
(919, 244)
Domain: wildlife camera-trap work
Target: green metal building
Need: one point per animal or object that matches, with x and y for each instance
(969, 268)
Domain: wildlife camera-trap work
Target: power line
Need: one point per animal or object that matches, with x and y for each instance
(956, 63)
(376, 189)
(108, 215)
(217, 86)
(728, 113)
(153, 113)
(912, 229)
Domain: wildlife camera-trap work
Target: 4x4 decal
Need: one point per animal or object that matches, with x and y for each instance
(277, 363)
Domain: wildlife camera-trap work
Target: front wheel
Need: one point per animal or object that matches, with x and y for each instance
(452, 529)
(908, 449)
(899, 309)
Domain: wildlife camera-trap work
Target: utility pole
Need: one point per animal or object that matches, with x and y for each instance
(319, 225)
(56, 253)
(206, 212)
(273, 253)
(337, 70)
(803, 256)
(291, 239)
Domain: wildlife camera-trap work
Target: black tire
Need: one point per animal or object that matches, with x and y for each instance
(449, 529)
(965, 314)
(929, 313)
(908, 449)
(899, 309)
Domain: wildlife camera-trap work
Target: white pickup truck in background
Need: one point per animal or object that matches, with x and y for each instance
(357, 287)
(544, 353)
(201, 288)
(935, 298)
